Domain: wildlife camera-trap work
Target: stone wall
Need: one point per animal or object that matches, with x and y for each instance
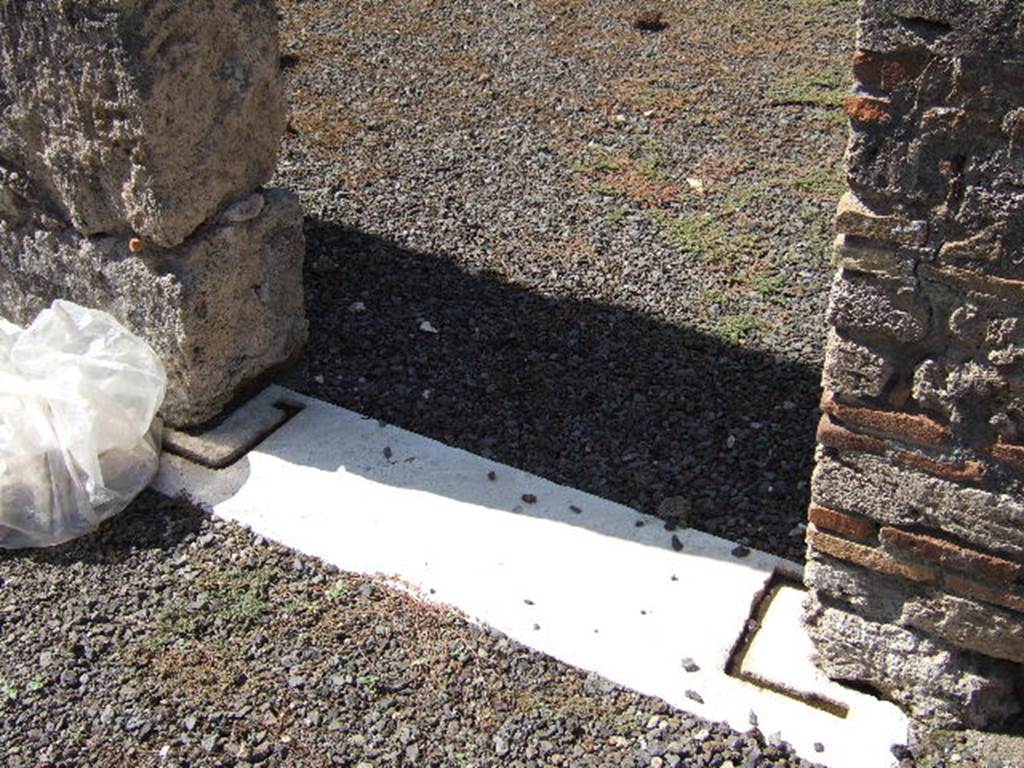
(916, 535)
(134, 137)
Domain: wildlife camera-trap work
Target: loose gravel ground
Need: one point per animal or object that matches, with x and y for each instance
(535, 232)
(620, 237)
(171, 639)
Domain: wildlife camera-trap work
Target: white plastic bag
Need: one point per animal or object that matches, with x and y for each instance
(79, 438)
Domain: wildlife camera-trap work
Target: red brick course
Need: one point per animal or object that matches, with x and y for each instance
(910, 427)
(964, 472)
(834, 521)
(920, 546)
(1007, 453)
(988, 593)
(869, 557)
(867, 109)
(840, 438)
(884, 72)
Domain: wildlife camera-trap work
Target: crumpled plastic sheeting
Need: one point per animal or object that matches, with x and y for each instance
(79, 437)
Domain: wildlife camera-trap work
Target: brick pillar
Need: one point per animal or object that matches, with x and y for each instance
(916, 535)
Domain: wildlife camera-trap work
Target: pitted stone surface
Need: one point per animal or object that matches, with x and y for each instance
(888, 493)
(855, 369)
(926, 334)
(933, 680)
(219, 310)
(131, 117)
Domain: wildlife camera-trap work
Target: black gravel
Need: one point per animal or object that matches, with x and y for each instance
(538, 230)
(171, 639)
(595, 252)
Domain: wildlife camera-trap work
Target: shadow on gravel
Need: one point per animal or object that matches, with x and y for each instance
(150, 522)
(597, 397)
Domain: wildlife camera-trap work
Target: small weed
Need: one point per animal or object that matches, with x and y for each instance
(240, 595)
(616, 217)
(605, 189)
(649, 166)
(305, 606)
(735, 328)
(337, 590)
(649, 162)
(836, 119)
(35, 684)
(710, 239)
(743, 196)
(8, 691)
(713, 296)
(824, 88)
(771, 288)
(663, 96)
(600, 163)
(821, 181)
(820, 237)
(238, 605)
(175, 624)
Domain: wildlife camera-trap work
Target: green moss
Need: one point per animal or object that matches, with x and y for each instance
(819, 233)
(598, 162)
(337, 590)
(712, 240)
(735, 328)
(616, 217)
(743, 196)
(771, 288)
(825, 182)
(817, 88)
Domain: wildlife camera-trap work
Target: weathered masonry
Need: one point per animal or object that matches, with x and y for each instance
(916, 535)
(134, 137)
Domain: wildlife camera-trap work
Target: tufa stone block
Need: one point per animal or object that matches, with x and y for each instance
(854, 218)
(144, 118)
(936, 682)
(986, 592)
(943, 27)
(871, 594)
(900, 496)
(855, 371)
(219, 309)
(867, 305)
(968, 624)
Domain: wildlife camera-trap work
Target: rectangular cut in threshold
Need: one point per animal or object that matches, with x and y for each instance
(238, 434)
(774, 651)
